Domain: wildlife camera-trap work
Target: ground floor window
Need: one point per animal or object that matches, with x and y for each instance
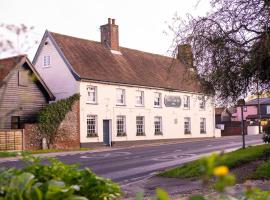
(202, 125)
(187, 125)
(140, 126)
(121, 125)
(92, 126)
(158, 125)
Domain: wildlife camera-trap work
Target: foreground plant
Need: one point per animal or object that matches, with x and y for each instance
(54, 181)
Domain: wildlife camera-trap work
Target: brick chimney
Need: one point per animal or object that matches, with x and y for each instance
(109, 35)
(185, 54)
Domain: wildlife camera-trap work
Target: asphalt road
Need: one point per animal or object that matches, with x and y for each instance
(132, 164)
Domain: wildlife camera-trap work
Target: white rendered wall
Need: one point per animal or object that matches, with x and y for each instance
(106, 108)
(57, 76)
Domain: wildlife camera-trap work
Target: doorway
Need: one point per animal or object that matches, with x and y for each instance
(107, 136)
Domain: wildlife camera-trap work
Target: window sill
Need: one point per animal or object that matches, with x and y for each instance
(92, 135)
(187, 133)
(121, 135)
(202, 132)
(140, 134)
(158, 133)
(48, 66)
(121, 105)
(92, 103)
(139, 105)
(186, 108)
(157, 106)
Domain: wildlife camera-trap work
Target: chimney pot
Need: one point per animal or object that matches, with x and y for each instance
(109, 35)
(185, 54)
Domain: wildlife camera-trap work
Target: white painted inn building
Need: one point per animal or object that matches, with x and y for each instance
(126, 94)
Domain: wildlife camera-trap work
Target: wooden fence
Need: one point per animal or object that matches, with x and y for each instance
(11, 139)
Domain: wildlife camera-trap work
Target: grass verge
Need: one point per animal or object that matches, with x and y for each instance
(4, 154)
(262, 172)
(231, 160)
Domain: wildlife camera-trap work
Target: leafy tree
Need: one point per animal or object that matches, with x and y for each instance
(231, 46)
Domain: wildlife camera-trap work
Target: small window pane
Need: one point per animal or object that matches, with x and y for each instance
(158, 125)
(121, 125)
(140, 125)
(91, 94)
(91, 125)
(46, 61)
(120, 96)
(186, 101)
(157, 99)
(187, 125)
(203, 125)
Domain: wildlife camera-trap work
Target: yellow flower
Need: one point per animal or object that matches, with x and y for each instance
(221, 171)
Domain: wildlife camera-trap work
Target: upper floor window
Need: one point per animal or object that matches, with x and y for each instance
(202, 103)
(157, 99)
(120, 97)
(140, 125)
(187, 125)
(121, 125)
(202, 125)
(91, 94)
(46, 61)
(91, 125)
(158, 125)
(139, 98)
(186, 100)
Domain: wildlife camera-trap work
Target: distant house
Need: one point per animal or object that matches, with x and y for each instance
(22, 92)
(251, 110)
(126, 94)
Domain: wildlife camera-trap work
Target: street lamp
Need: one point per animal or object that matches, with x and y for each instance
(241, 103)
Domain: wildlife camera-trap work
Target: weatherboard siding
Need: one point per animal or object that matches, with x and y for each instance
(57, 76)
(23, 101)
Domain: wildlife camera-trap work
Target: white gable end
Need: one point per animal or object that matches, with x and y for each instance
(54, 71)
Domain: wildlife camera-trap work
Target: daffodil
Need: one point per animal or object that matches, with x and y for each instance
(221, 171)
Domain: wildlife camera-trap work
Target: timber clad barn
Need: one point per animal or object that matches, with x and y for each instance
(22, 92)
(126, 94)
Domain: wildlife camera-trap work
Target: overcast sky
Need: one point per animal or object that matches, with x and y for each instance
(141, 22)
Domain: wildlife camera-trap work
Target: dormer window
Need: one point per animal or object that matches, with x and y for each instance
(46, 61)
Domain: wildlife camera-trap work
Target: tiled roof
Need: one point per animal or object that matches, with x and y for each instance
(7, 64)
(90, 60)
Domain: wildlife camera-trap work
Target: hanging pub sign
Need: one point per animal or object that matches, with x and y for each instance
(172, 101)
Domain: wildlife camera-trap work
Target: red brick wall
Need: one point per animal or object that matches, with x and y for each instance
(69, 132)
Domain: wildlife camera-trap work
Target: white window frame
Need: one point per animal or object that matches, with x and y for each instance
(140, 126)
(46, 61)
(157, 99)
(91, 89)
(202, 103)
(203, 125)
(186, 102)
(187, 125)
(122, 100)
(158, 127)
(139, 98)
(91, 128)
(121, 127)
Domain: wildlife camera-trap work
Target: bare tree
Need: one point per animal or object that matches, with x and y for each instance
(231, 46)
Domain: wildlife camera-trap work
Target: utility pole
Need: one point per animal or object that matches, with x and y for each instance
(258, 107)
(241, 103)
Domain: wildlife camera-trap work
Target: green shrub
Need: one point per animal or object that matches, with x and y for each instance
(54, 181)
(263, 171)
